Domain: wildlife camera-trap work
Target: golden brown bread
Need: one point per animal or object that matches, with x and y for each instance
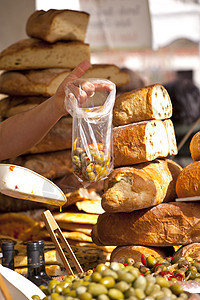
(151, 102)
(51, 165)
(54, 25)
(143, 185)
(188, 181)
(195, 146)
(45, 82)
(37, 54)
(122, 253)
(165, 224)
(140, 142)
(191, 250)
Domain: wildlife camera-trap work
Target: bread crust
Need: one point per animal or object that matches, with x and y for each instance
(140, 186)
(138, 105)
(165, 224)
(195, 146)
(191, 250)
(122, 253)
(139, 142)
(37, 54)
(188, 181)
(41, 24)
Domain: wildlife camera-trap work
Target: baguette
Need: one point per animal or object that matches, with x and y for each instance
(172, 145)
(54, 25)
(151, 102)
(144, 185)
(122, 253)
(37, 54)
(195, 146)
(166, 224)
(45, 82)
(139, 142)
(188, 181)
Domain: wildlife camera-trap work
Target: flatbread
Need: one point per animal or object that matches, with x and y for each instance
(78, 236)
(90, 206)
(13, 224)
(82, 218)
(84, 228)
(81, 194)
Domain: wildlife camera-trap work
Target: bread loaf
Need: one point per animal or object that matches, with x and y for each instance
(172, 146)
(122, 253)
(58, 138)
(144, 185)
(54, 25)
(188, 183)
(195, 146)
(37, 54)
(45, 82)
(151, 102)
(165, 224)
(139, 142)
(191, 250)
(51, 165)
(10, 106)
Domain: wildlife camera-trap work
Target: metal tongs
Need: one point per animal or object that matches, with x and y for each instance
(53, 228)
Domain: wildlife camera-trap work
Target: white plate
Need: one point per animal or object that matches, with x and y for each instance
(22, 183)
(19, 287)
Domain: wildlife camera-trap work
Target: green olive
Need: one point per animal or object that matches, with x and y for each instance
(140, 282)
(35, 297)
(97, 289)
(115, 294)
(151, 261)
(96, 276)
(122, 286)
(85, 296)
(163, 282)
(176, 289)
(100, 267)
(107, 281)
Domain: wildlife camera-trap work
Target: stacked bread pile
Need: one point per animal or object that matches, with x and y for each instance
(141, 216)
(34, 68)
(76, 224)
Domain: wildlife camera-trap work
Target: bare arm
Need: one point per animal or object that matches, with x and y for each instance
(24, 130)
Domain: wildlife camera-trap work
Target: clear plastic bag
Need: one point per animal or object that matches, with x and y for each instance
(92, 149)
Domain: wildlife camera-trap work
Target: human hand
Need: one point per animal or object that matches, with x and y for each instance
(80, 89)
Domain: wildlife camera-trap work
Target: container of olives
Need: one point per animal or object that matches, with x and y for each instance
(92, 155)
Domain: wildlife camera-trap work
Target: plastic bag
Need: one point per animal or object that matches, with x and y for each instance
(92, 149)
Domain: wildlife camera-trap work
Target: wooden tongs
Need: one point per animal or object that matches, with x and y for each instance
(53, 228)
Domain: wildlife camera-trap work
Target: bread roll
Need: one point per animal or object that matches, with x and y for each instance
(144, 185)
(37, 54)
(45, 82)
(188, 181)
(195, 146)
(58, 138)
(165, 224)
(54, 25)
(122, 253)
(151, 102)
(191, 250)
(139, 142)
(51, 165)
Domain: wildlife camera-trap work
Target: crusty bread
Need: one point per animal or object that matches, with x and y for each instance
(172, 145)
(195, 146)
(188, 181)
(45, 82)
(58, 138)
(165, 224)
(12, 105)
(54, 25)
(152, 102)
(143, 185)
(140, 142)
(37, 54)
(191, 250)
(122, 253)
(51, 165)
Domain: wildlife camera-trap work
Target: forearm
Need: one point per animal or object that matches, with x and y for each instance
(22, 131)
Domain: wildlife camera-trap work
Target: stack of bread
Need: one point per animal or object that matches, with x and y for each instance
(34, 68)
(141, 215)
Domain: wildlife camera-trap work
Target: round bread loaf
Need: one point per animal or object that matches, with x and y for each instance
(195, 146)
(188, 183)
(122, 253)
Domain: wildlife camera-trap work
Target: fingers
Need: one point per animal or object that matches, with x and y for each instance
(99, 87)
(79, 71)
